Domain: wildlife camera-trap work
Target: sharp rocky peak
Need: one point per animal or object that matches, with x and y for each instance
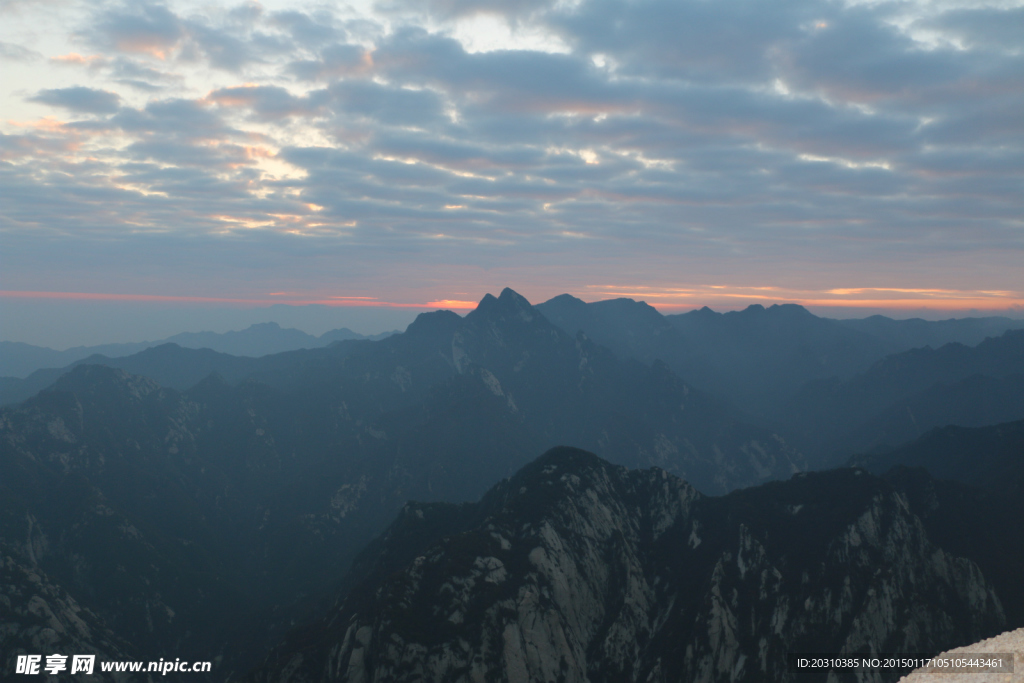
(509, 305)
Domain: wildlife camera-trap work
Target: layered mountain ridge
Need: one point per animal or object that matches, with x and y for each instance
(235, 504)
(183, 501)
(18, 359)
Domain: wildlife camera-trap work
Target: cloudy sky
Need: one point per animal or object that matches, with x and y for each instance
(419, 153)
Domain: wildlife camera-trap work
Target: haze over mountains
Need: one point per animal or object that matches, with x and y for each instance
(759, 357)
(182, 500)
(20, 360)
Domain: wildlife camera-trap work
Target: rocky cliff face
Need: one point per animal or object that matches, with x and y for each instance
(39, 617)
(577, 570)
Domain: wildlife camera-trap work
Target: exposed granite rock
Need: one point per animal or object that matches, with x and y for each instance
(39, 617)
(577, 570)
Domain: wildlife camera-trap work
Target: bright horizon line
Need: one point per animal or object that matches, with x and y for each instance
(928, 299)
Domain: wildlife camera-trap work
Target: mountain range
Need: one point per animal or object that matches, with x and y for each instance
(210, 518)
(759, 357)
(186, 501)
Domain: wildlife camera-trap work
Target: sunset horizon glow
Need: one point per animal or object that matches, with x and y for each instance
(698, 297)
(405, 156)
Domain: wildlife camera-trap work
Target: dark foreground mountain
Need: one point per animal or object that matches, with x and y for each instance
(93, 503)
(577, 570)
(38, 616)
(967, 485)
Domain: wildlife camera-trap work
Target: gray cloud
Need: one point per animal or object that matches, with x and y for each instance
(269, 102)
(79, 99)
(310, 30)
(138, 28)
(387, 105)
(333, 61)
(982, 27)
(733, 139)
(180, 118)
(729, 40)
(450, 9)
(155, 30)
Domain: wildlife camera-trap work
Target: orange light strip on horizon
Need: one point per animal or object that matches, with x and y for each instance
(684, 299)
(891, 304)
(730, 296)
(292, 300)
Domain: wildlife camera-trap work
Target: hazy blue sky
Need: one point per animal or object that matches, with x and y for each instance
(419, 153)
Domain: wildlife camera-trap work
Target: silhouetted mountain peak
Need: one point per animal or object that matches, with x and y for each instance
(702, 313)
(509, 294)
(508, 306)
(636, 309)
(790, 310)
(435, 322)
(567, 300)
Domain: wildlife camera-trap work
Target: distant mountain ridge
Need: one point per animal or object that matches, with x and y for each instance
(758, 357)
(916, 333)
(18, 359)
(904, 395)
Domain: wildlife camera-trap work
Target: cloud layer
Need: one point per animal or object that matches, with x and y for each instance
(434, 150)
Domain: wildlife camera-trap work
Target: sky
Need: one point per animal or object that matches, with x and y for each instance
(404, 155)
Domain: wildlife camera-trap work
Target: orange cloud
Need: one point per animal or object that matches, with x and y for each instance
(452, 304)
(142, 46)
(74, 58)
(47, 124)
